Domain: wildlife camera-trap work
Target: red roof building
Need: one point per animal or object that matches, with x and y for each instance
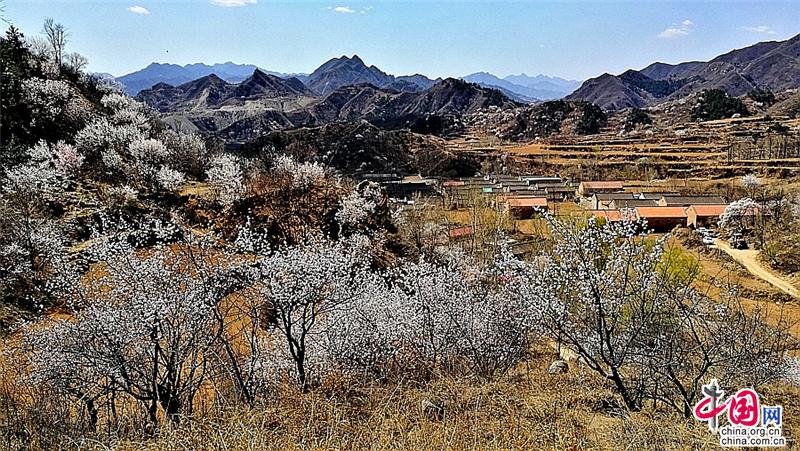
(608, 215)
(461, 232)
(525, 207)
(587, 188)
(704, 215)
(662, 219)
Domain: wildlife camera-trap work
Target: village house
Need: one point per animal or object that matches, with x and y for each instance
(662, 219)
(656, 196)
(545, 185)
(617, 204)
(409, 187)
(601, 201)
(704, 215)
(536, 179)
(513, 185)
(457, 233)
(559, 193)
(607, 215)
(586, 189)
(525, 207)
(453, 183)
(685, 201)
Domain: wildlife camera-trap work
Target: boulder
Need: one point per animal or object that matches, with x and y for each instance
(558, 367)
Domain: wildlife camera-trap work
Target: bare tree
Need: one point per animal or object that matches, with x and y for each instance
(57, 37)
(77, 62)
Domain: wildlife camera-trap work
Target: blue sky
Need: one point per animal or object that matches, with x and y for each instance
(573, 39)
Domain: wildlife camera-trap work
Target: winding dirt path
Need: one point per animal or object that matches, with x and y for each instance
(749, 259)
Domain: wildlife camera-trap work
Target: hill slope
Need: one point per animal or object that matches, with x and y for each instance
(263, 102)
(349, 71)
(773, 65)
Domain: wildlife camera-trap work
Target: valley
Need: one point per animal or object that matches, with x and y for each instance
(199, 255)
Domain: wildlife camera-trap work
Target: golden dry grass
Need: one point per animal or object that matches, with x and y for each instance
(528, 409)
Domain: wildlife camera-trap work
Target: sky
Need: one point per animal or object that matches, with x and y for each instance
(570, 39)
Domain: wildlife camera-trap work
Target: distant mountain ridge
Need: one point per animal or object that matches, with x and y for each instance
(333, 74)
(175, 74)
(346, 71)
(771, 65)
(524, 87)
(212, 92)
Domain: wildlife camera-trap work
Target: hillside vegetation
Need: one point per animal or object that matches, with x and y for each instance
(163, 291)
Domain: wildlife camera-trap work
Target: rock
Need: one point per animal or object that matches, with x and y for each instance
(558, 367)
(432, 411)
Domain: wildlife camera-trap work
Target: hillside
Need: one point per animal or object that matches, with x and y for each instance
(213, 92)
(264, 102)
(773, 65)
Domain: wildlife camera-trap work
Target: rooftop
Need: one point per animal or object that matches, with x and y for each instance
(527, 202)
(692, 200)
(708, 210)
(459, 232)
(656, 195)
(604, 185)
(608, 215)
(613, 196)
(661, 212)
(630, 203)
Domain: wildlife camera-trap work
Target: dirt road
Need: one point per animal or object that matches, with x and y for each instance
(749, 259)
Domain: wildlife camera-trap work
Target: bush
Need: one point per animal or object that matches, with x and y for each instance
(716, 104)
(635, 118)
(592, 119)
(762, 96)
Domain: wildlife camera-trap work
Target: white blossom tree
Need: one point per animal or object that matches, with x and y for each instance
(633, 316)
(67, 159)
(304, 284)
(226, 179)
(48, 99)
(738, 214)
(188, 152)
(751, 183)
(32, 253)
(358, 206)
(169, 180)
(302, 175)
(145, 327)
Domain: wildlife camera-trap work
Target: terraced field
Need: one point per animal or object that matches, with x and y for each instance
(695, 149)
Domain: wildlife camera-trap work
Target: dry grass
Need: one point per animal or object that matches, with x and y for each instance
(527, 409)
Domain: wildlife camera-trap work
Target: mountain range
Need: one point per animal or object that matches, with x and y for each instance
(771, 65)
(524, 87)
(175, 74)
(212, 92)
(237, 112)
(345, 71)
